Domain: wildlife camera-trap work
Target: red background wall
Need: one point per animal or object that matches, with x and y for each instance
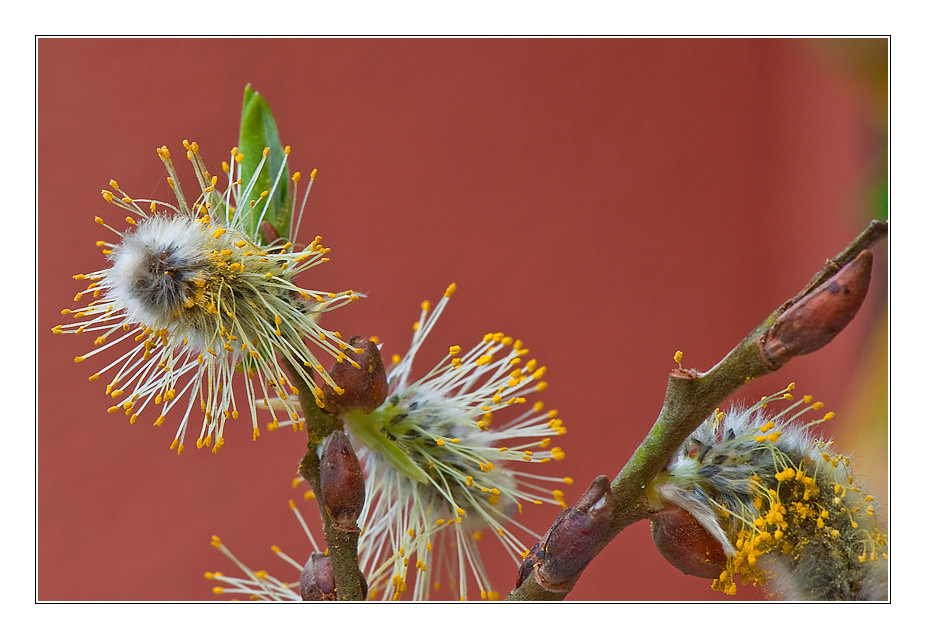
(607, 201)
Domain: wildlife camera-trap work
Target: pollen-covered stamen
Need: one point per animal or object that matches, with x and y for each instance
(268, 196)
(434, 449)
(257, 585)
(102, 223)
(780, 502)
(244, 195)
(173, 181)
(295, 221)
(201, 298)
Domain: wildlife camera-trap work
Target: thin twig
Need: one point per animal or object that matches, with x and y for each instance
(876, 231)
(690, 398)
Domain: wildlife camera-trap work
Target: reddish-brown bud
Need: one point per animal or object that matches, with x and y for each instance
(814, 320)
(362, 378)
(269, 232)
(686, 544)
(317, 579)
(341, 481)
(575, 538)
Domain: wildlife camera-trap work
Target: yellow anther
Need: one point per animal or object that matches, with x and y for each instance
(678, 357)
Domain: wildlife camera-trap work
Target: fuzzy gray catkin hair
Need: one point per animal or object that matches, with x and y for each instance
(785, 509)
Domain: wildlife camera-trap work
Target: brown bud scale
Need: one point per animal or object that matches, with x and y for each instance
(317, 579)
(814, 320)
(363, 381)
(575, 538)
(341, 482)
(686, 544)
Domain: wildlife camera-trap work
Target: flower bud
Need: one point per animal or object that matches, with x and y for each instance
(341, 481)
(575, 537)
(814, 320)
(686, 544)
(363, 381)
(317, 579)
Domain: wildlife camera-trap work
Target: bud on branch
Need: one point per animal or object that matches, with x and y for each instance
(572, 541)
(686, 544)
(816, 318)
(317, 579)
(362, 378)
(341, 481)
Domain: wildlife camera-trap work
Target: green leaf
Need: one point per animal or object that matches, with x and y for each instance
(366, 428)
(259, 131)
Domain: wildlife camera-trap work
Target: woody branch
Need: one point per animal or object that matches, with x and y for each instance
(801, 325)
